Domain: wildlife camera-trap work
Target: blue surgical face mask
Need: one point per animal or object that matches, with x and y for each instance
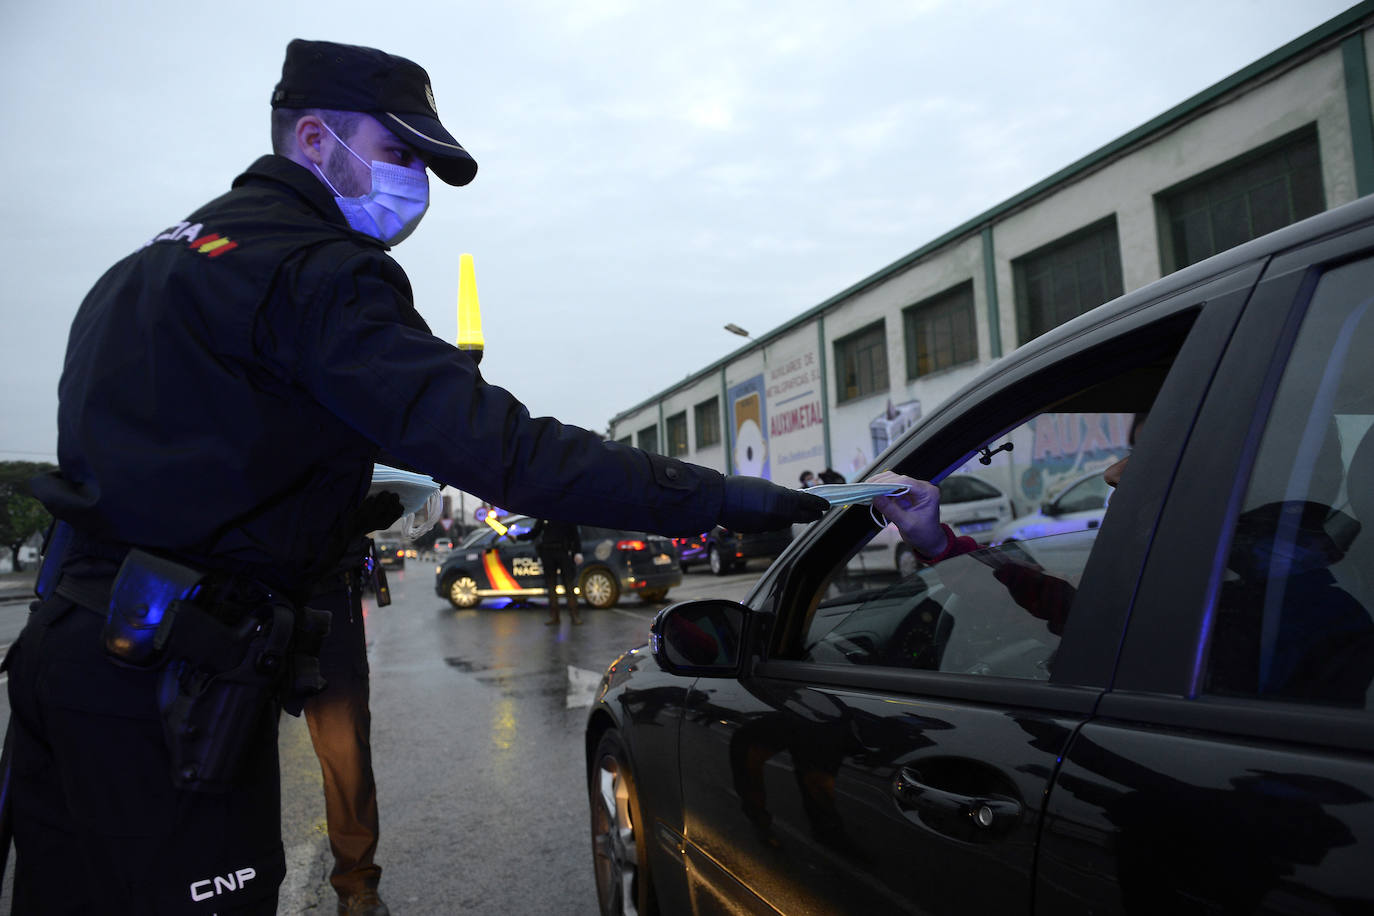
(393, 208)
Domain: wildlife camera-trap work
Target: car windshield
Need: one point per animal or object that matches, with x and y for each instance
(473, 536)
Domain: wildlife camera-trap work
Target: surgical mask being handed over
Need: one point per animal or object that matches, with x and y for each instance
(392, 209)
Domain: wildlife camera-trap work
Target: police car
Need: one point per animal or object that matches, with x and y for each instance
(495, 563)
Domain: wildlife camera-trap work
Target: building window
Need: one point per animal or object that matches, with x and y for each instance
(861, 363)
(708, 422)
(1241, 200)
(648, 438)
(940, 332)
(1066, 278)
(676, 428)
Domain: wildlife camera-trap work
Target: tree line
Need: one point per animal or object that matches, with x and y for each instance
(21, 515)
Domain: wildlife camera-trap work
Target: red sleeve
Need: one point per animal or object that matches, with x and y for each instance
(954, 546)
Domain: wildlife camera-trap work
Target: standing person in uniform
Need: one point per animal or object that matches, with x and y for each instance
(559, 545)
(226, 391)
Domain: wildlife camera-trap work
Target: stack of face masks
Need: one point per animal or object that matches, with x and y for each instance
(420, 497)
(854, 494)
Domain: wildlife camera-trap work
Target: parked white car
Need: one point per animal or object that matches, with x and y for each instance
(972, 506)
(1079, 507)
(968, 504)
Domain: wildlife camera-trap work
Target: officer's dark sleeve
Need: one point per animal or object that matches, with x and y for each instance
(367, 356)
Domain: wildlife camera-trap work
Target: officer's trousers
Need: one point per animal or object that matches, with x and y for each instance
(340, 728)
(558, 564)
(99, 827)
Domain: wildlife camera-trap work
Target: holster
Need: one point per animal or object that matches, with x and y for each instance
(225, 649)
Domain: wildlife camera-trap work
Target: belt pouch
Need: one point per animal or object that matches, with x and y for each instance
(147, 594)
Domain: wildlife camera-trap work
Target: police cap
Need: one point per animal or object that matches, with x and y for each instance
(396, 91)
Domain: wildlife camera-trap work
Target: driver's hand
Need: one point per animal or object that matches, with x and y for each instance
(916, 513)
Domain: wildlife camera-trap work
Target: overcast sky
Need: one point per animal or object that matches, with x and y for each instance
(648, 171)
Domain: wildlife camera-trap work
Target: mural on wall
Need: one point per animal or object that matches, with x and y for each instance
(1059, 448)
(748, 414)
(796, 421)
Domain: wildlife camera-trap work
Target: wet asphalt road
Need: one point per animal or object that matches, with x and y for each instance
(477, 743)
(477, 721)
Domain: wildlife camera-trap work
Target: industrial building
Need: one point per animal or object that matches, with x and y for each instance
(1284, 138)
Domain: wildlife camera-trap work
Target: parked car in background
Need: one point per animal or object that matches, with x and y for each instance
(691, 550)
(391, 552)
(968, 504)
(1170, 712)
(491, 565)
(1079, 506)
(724, 551)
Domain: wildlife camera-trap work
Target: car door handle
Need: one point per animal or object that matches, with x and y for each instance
(984, 812)
(1093, 523)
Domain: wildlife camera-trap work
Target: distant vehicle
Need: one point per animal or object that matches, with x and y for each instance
(442, 545)
(972, 506)
(390, 552)
(968, 504)
(614, 562)
(1079, 507)
(723, 550)
(691, 549)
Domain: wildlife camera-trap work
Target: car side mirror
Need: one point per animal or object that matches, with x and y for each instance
(1049, 509)
(699, 638)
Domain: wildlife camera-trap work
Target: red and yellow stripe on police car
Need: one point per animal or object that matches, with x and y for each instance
(501, 580)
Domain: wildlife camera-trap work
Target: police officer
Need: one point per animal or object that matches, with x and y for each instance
(559, 545)
(226, 390)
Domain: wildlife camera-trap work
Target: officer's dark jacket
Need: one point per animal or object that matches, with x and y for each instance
(552, 535)
(228, 386)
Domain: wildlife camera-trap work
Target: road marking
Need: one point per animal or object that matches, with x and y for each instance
(582, 686)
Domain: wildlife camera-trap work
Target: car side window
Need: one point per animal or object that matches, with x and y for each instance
(1293, 616)
(997, 611)
(965, 488)
(483, 541)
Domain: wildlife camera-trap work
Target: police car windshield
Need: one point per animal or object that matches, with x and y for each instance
(473, 536)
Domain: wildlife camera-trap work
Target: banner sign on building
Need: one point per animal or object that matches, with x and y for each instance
(796, 418)
(748, 415)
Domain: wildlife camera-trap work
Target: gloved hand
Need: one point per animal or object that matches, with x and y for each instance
(755, 504)
(377, 513)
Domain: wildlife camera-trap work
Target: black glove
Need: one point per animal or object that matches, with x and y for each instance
(377, 513)
(755, 504)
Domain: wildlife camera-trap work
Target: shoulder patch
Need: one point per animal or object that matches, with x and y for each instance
(210, 244)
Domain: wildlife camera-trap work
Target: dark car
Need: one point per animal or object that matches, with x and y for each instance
(724, 550)
(1171, 712)
(487, 564)
(390, 552)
